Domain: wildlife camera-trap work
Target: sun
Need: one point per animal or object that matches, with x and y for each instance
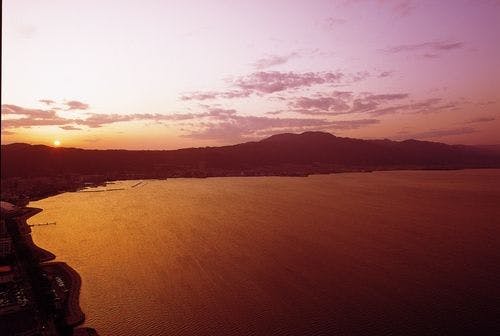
(57, 143)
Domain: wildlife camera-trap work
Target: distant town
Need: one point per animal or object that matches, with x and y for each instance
(32, 172)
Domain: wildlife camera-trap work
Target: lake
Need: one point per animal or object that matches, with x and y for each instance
(401, 252)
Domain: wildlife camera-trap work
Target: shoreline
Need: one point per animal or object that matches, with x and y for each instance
(24, 200)
(55, 286)
(74, 315)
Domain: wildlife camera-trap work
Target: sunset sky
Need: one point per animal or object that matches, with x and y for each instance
(155, 74)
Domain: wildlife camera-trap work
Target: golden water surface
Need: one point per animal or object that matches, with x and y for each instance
(411, 252)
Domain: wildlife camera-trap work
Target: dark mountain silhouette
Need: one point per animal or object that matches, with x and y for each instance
(282, 154)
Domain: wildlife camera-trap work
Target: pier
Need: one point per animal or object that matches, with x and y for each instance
(42, 224)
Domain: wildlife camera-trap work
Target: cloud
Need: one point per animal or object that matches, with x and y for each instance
(430, 105)
(28, 122)
(47, 101)
(209, 95)
(269, 82)
(484, 103)
(353, 124)
(5, 132)
(95, 120)
(8, 109)
(275, 112)
(359, 76)
(363, 105)
(480, 120)
(438, 133)
(274, 81)
(26, 117)
(322, 104)
(336, 103)
(210, 123)
(430, 49)
(91, 140)
(429, 55)
(18, 116)
(399, 7)
(371, 102)
(227, 124)
(342, 102)
(249, 127)
(385, 74)
(98, 120)
(70, 128)
(273, 60)
(390, 96)
(199, 95)
(76, 105)
(335, 127)
(218, 113)
(389, 110)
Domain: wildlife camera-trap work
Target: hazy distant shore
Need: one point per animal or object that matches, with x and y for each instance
(35, 171)
(22, 191)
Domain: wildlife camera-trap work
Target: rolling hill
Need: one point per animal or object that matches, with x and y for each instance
(285, 154)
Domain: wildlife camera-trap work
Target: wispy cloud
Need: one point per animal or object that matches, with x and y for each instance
(268, 82)
(210, 123)
(238, 127)
(16, 116)
(428, 49)
(70, 128)
(95, 120)
(76, 105)
(480, 120)
(14, 110)
(337, 102)
(273, 60)
(430, 105)
(384, 74)
(224, 124)
(400, 8)
(98, 120)
(29, 122)
(275, 81)
(438, 133)
(47, 101)
(209, 95)
(343, 102)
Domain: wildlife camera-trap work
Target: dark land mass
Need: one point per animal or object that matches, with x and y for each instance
(37, 171)
(37, 296)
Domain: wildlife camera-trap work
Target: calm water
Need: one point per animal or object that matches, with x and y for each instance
(414, 252)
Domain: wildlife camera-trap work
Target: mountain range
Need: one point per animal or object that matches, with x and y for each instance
(281, 154)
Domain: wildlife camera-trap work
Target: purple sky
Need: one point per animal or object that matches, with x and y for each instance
(171, 74)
